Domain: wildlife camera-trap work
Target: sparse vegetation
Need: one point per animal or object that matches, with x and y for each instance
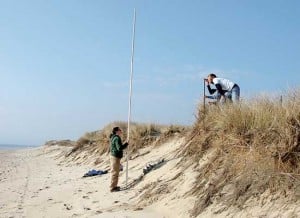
(141, 135)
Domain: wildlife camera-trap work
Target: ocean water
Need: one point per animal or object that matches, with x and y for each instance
(15, 147)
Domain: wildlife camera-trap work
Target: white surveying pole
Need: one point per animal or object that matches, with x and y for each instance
(130, 92)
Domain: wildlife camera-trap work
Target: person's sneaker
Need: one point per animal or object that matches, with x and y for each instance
(115, 189)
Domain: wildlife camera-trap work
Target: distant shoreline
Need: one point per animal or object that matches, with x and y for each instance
(16, 147)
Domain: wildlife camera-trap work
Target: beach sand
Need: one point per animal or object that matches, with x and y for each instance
(43, 182)
(40, 183)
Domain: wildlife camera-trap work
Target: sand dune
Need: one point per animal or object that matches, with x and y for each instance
(42, 182)
(37, 183)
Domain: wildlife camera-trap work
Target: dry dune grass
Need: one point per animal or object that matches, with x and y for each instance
(255, 146)
(250, 149)
(141, 135)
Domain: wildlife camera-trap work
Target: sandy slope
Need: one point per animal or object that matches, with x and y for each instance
(43, 183)
(35, 183)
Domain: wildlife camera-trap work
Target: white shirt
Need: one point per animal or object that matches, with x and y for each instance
(226, 84)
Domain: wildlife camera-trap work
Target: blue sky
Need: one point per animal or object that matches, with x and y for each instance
(64, 65)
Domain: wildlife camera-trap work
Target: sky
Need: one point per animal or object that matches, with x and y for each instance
(65, 65)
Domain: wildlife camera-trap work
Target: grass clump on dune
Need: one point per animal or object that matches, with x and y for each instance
(254, 147)
(141, 135)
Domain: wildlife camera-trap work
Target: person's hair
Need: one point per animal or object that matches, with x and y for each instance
(212, 75)
(114, 131)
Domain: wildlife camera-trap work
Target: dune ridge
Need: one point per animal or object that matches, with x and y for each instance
(235, 161)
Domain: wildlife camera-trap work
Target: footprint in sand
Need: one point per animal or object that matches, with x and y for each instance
(138, 208)
(68, 206)
(85, 197)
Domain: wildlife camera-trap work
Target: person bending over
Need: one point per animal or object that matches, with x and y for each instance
(224, 87)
